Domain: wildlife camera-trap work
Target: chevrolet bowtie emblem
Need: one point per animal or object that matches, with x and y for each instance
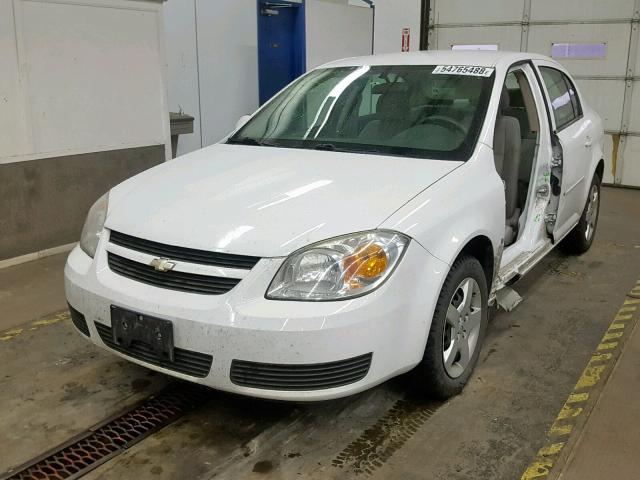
(162, 264)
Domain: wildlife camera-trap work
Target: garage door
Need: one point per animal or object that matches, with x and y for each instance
(596, 41)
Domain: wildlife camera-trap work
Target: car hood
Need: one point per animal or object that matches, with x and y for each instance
(266, 201)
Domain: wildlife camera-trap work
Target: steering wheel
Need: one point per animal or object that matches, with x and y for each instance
(446, 122)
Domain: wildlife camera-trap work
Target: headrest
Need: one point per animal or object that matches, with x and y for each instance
(504, 99)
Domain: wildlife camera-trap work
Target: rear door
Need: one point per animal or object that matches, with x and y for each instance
(573, 138)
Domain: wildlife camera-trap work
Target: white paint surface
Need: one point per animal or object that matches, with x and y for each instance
(580, 10)
(91, 77)
(615, 36)
(182, 76)
(228, 63)
(336, 30)
(474, 12)
(506, 37)
(391, 17)
(213, 65)
(14, 138)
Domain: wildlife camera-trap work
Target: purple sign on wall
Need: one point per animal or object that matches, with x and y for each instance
(578, 50)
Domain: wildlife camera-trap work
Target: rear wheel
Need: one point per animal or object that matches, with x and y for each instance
(457, 331)
(579, 240)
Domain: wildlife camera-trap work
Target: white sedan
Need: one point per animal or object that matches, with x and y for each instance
(356, 227)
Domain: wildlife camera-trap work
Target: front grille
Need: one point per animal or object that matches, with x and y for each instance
(185, 361)
(314, 376)
(182, 281)
(78, 320)
(204, 257)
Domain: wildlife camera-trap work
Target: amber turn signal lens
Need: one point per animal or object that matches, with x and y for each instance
(368, 263)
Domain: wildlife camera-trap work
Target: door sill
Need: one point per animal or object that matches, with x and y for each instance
(521, 264)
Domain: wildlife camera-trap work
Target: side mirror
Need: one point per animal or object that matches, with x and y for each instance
(241, 121)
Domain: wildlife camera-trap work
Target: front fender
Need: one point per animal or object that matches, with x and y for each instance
(464, 204)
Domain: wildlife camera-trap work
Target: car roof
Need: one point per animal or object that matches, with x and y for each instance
(440, 57)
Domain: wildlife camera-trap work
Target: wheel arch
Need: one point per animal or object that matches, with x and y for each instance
(600, 169)
(481, 248)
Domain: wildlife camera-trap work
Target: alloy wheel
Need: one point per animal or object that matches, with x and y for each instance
(462, 327)
(593, 204)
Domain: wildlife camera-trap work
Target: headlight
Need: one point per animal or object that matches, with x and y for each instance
(339, 268)
(93, 225)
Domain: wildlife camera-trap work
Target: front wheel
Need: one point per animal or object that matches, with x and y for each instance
(457, 331)
(579, 240)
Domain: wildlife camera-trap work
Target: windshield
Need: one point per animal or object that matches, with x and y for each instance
(409, 110)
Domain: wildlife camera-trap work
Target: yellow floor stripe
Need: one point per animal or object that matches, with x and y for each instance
(568, 412)
(607, 346)
(560, 430)
(628, 309)
(600, 357)
(612, 335)
(578, 397)
(43, 322)
(616, 326)
(590, 377)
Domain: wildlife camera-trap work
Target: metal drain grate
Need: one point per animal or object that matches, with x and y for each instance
(92, 448)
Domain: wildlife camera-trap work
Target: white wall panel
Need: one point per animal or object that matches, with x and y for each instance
(228, 59)
(558, 10)
(391, 17)
(470, 11)
(180, 31)
(94, 75)
(615, 36)
(13, 127)
(634, 119)
(629, 171)
(605, 97)
(507, 38)
(335, 29)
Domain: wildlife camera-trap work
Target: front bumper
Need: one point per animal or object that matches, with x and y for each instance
(391, 323)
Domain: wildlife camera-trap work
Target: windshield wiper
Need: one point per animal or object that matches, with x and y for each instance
(250, 141)
(325, 146)
(332, 148)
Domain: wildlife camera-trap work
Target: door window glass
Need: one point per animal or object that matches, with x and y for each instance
(563, 96)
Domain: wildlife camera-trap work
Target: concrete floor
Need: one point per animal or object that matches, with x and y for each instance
(607, 447)
(55, 384)
(31, 290)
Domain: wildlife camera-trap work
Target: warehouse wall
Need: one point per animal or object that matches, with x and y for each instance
(391, 17)
(83, 100)
(212, 52)
(610, 84)
(182, 59)
(337, 30)
(228, 59)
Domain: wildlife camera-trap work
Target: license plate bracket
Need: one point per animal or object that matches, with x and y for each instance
(156, 333)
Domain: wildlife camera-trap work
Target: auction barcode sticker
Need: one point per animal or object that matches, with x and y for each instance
(463, 70)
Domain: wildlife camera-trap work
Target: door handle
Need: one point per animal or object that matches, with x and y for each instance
(588, 142)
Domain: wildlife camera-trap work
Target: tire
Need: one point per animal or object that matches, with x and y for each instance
(579, 240)
(439, 375)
